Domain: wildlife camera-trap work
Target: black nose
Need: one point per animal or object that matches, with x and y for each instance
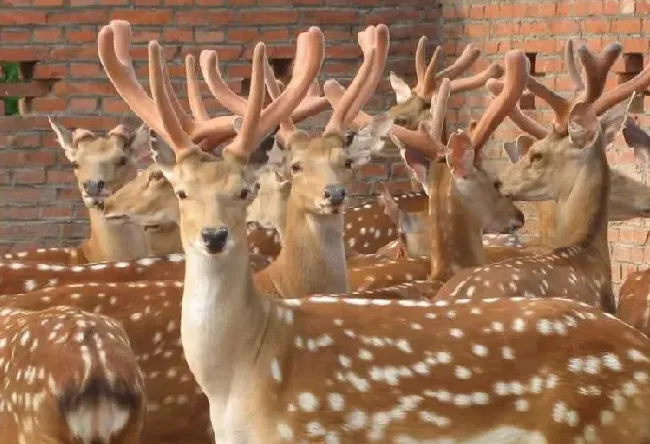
(335, 194)
(94, 187)
(214, 239)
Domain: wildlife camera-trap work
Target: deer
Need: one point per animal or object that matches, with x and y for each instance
(254, 373)
(101, 165)
(149, 314)
(632, 301)
(464, 200)
(569, 166)
(68, 376)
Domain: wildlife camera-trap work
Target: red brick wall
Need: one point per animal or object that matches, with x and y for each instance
(39, 204)
(542, 27)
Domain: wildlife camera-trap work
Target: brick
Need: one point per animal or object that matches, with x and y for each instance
(267, 17)
(210, 17)
(209, 36)
(80, 35)
(143, 17)
(178, 35)
(22, 17)
(93, 16)
(10, 36)
(83, 105)
(49, 104)
(23, 54)
(627, 26)
(331, 17)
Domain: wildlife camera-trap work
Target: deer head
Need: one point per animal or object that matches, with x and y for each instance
(102, 165)
(413, 105)
(212, 193)
(269, 208)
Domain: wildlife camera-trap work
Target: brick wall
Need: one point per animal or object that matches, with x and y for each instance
(55, 42)
(541, 28)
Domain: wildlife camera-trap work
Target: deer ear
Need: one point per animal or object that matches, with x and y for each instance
(369, 139)
(140, 139)
(517, 149)
(65, 140)
(401, 88)
(162, 154)
(461, 154)
(583, 126)
(613, 122)
(237, 124)
(637, 139)
(416, 163)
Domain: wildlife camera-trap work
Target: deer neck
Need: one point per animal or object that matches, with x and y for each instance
(582, 210)
(164, 239)
(312, 259)
(110, 241)
(547, 211)
(456, 233)
(223, 318)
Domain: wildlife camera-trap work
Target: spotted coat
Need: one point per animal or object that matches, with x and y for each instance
(67, 376)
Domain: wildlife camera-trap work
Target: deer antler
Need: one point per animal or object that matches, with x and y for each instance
(428, 79)
(516, 75)
(374, 43)
(524, 122)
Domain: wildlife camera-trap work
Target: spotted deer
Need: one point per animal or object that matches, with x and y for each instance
(101, 166)
(68, 376)
(569, 166)
(149, 312)
(628, 198)
(464, 200)
(254, 375)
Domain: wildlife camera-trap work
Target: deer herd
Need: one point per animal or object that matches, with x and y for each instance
(223, 300)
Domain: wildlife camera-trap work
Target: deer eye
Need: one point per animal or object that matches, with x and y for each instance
(296, 167)
(243, 194)
(402, 121)
(497, 185)
(536, 157)
(75, 165)
(348, 163)
(181, 194)
(122, 161)
(156, 175)
(256, 187)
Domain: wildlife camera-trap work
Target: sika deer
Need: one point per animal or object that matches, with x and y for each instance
(569, 166)
(68, 376)
(254, 374)
(101, 165)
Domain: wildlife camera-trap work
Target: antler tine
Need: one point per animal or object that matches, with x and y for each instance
(516, 75)
(244, 142)
(193, 93)
(310, 44)
(312, 104)
(572, 69)
(611, 98)
(337, 121)
(429, 83)
(560, 106)
(520, 119)
(334, 92)
(113, 42)
(420, 63)
(474, 82)
(380, 39)
(209, 62)
(469, 56)
(596, 68)
(173, 127)
(286, 126)
(438, 109)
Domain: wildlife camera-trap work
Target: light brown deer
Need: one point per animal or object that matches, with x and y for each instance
(312, 259)
(101, 166)
(149, 312)
(254, 373)
(68, 376)
(464, 201)
(569, 165)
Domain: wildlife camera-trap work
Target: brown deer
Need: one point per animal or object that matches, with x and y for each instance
(101, 166)
(254, 373)
(570, 167)
(68, 376)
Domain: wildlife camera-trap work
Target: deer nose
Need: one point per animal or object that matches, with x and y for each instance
(214, 239)
(94, 187)
(335, 194)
